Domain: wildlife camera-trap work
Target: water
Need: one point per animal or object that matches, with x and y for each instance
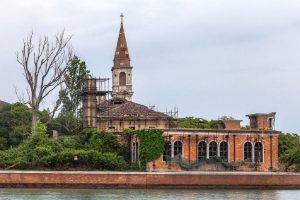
(141, 194)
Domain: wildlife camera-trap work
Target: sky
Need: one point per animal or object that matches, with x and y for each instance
(209, 58)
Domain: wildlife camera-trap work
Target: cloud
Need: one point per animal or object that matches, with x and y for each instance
(209, 58)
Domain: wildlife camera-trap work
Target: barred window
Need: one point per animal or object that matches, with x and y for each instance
(202, 150)
(248, 151)
(224, 150)
(177, 148)
(258, 152)
(213, 146)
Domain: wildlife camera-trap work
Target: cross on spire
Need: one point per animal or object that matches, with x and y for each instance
(122, 16)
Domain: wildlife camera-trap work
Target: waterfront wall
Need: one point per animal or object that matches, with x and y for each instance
(83, 179)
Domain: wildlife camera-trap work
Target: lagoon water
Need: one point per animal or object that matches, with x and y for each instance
(142, 194)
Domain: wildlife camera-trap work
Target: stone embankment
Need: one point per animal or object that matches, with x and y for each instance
(102, 179)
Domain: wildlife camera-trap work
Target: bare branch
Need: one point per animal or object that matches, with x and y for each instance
(44, 67)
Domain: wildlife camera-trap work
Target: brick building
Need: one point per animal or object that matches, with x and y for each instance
(225, 148)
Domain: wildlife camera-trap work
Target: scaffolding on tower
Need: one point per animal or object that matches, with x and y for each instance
(95, 95)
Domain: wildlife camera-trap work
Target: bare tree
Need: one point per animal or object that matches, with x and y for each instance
(44, 66)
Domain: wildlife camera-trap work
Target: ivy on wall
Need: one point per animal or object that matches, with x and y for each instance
(151, 145)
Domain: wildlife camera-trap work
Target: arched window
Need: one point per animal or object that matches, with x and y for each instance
(202, 150)
(213, 146)
(224, 150)
(248, 151)
(177, 148)
(122, 78)
(258, 152)
(135, 152)
(167, 151)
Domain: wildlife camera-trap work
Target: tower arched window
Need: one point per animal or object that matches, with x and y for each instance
(248, 151)
(122, 78)
(177, 148)
(224, 150)
(213, 149)
(202, 150)
(258, 152)
(167, 151)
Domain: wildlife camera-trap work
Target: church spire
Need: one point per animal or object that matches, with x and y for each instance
(121, 70)
(121, 58)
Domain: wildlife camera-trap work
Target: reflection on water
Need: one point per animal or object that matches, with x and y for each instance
(140, 194)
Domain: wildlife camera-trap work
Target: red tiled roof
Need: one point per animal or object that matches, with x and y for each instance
(129, 109)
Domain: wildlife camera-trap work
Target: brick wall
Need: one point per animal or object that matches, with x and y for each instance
(146, 180)
(235, 147)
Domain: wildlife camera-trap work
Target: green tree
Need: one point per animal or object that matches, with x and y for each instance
(192, 122)
(73, 80)
(15, 123)
(289, 149)
(69, 119)
(225, 117)
(65, 123)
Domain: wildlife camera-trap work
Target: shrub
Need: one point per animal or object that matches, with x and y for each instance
(101, 141)
(90, 159)
(69, 142)
(3, 143)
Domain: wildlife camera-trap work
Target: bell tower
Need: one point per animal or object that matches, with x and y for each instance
(121, 70)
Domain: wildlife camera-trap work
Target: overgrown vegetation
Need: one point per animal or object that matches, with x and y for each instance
(15, 125)
(90, 150)
(289, 150)
(193, 122)
(151, 145)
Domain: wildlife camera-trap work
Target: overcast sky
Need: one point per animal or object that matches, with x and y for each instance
(207, 57)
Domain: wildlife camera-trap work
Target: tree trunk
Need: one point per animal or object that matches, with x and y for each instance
(34, 118)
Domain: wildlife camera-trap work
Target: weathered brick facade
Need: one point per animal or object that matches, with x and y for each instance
(227, 147)
(235, 139)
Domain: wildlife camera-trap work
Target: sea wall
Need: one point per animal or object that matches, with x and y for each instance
(88, 179)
